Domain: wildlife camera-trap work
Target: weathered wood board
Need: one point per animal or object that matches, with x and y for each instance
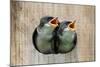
(25, 16)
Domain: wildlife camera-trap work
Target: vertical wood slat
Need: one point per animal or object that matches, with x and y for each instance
(25, 17)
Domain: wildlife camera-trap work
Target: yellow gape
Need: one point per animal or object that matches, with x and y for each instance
(54, 22)
(72, 26)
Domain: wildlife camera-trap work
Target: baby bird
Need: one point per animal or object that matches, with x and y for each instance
(67, 36)
(43, 36)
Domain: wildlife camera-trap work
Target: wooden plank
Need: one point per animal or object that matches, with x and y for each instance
(25, 16)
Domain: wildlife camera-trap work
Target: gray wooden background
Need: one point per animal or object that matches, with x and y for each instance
(25, 16)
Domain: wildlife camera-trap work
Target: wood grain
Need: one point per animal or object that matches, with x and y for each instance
(25, 16)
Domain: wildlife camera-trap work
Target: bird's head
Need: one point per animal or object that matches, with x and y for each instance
(67, 26)
(49, 21)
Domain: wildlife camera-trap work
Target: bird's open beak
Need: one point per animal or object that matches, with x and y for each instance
(72, 26)
(54, 22)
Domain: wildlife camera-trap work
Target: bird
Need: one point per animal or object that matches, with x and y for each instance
(67, 37)
(44, 33)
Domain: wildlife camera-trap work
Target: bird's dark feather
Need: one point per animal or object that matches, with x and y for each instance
(55, 41)
(75, 39)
